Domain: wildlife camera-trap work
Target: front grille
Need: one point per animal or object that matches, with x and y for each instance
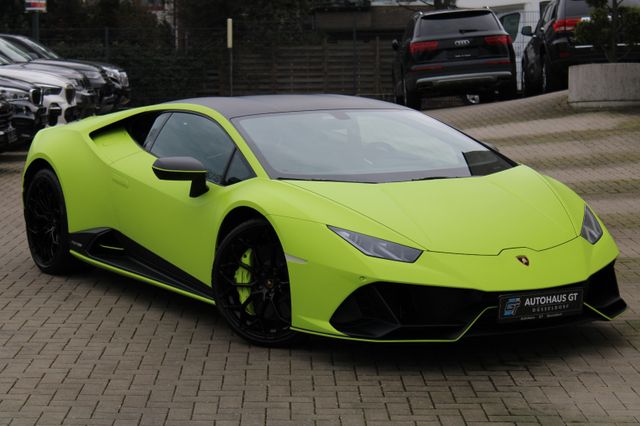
(36, 96)
(391, 311)
(70, 94)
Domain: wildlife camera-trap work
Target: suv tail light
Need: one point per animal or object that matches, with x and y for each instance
(567, 25)
(499, 39)
(422, 46)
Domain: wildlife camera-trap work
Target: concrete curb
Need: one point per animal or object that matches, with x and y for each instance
(604, 85)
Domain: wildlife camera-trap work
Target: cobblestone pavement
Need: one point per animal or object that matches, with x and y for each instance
(96, 348)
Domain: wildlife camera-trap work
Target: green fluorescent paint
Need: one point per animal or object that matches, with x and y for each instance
(470, 229)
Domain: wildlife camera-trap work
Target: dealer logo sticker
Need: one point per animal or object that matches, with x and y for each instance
(511, 307)
(523, 259)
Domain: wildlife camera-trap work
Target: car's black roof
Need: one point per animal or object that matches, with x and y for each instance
(232, 107)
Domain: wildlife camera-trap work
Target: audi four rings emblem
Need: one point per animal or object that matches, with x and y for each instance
(462, 42)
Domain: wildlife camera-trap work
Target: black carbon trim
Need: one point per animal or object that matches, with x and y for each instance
(113, 248)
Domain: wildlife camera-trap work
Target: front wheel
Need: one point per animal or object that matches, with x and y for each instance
(45, 215)
(251, 284)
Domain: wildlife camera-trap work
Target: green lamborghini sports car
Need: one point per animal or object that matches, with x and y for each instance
(330, 215)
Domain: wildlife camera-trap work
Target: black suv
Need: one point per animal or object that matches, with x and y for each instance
(453, 52)
(552, 48)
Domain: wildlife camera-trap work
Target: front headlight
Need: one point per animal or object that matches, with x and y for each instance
(92, 74)
(376, 247)
(591, 229)
(12, 94)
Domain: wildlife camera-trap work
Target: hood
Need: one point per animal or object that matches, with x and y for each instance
(57, 71)
(476, 215)
(34, 77)
(68, 63)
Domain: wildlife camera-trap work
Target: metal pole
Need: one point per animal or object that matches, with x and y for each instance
(230, 49)
(355, 54)
(35, 25)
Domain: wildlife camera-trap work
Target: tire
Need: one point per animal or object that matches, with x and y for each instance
(508, 91)
(548, 80)
(45, 216)
(411, 97)
(251, 284)
(487, 97)
(397, 98)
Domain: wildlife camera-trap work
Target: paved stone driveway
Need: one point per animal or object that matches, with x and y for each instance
(100, 349)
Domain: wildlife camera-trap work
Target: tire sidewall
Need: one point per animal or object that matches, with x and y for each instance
(228, 316)
(62, 260)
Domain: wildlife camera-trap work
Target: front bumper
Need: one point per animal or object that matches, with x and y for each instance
(328, 273)
(391, 311)
(28, 119)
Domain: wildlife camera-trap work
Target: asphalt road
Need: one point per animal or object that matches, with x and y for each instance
(97, 348)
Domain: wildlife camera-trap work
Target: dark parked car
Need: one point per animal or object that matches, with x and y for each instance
(115, 93)
(453, 52)
(553, 48)
(28, 114)
(7, 132)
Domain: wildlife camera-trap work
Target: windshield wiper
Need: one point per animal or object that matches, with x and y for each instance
(471, 30)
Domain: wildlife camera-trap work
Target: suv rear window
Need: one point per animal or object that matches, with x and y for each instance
(457, 23)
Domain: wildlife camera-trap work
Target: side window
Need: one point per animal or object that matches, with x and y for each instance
(239, 170)
(511, 24)
(155, 129)
(548, 12)
(190, 135)
(408, 31)
(543, 5)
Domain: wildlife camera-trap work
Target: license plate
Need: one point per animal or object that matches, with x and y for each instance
(540, 305)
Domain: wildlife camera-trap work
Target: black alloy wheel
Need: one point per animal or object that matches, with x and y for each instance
(46, 221)
(251, 284)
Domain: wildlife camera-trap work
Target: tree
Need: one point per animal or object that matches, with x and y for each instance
(610, 23)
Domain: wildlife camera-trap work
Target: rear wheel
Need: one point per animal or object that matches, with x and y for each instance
(251, 284)
(45, 215)
(549, 81)
(508, 91)
(411, 97)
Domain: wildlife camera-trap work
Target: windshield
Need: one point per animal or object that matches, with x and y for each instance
(364, 146)
(12, 52)
(38, 49)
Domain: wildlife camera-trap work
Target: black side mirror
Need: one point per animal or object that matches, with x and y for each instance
(526, 31)
(183, 168)
(395, 44)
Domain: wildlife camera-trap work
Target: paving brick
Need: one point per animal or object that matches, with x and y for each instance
(96, 348)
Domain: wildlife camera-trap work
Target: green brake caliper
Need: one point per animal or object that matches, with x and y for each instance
(243, 276)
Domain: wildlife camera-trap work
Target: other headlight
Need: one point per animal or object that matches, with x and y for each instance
(375, 247)
(591, 229)
(12, 94)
